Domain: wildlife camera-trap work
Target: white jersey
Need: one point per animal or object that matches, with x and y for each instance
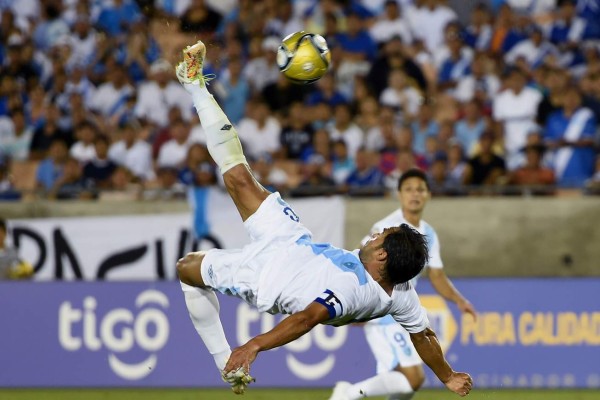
(396, 219)
(283, 271)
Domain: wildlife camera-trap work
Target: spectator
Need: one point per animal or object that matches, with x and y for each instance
(367, 116)
(132, 152)
(269, 175)
(342, 164)
(98, 171)
(112, 94)
(48, 131)
(485, 168)
(321, 145)
(401, 95)
(567, 31)
(297, 134)
(344, 129)
(555, 83)
(138, 53)
(393, 57)
(470, 127)
(365, 177)
(11, 265)
(428, 21)
(535, 50)
(405, 160)
(570, 133)
(285, 22)
(316, 178)
(384, 133)
(83, 150)
(281, 94)
(173, 153)
(159, 94)
(199, 170)
(533, 173)
(515, 109)
(236, 91)
(453, 59)
(423, 127)
(262, 70)
(15, 136)
(51, 168)
(82, 41)
(358, 51)
(199, 18)
(482, 84)
(259, 131)
(325, 92)
(389, 24)
(478, 33)
(51, 29)
(70, 185)
(115, 17)
(456, 164)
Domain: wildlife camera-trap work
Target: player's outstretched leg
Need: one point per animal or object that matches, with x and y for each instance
(221, 136)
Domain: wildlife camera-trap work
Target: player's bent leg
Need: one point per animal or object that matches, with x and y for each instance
(245, 191)
(203, 307)
(188, 269)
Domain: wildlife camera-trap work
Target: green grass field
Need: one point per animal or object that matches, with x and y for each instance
(274, 394)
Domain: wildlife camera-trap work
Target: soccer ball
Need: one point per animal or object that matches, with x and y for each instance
(303, 57)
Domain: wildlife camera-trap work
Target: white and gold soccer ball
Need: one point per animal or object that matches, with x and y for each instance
(303, 57)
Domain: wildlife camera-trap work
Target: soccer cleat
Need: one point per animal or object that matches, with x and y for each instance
(238, 380)
(189, 71)
(339, 391)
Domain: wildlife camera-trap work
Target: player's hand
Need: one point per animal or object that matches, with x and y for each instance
(460, 383)
(241, 357)
(466, 307)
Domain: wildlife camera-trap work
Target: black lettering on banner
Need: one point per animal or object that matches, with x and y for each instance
(183, 241)
(120, 260)
(62, 248)
(18, 233)
(214, 243)
(160, 261)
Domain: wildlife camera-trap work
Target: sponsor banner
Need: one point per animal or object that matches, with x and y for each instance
(529, 333)
(148, 246)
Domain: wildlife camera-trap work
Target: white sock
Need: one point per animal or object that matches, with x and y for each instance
(388, 383)
(221, 137)
(203, 307)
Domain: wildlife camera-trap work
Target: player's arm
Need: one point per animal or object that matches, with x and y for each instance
(286, 331)
(429, 350)
(442, 284)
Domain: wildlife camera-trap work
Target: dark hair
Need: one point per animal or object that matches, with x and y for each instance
(3, 224)
(413, 173)
(407, 254)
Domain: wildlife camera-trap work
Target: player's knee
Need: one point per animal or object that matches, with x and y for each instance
(188, 268)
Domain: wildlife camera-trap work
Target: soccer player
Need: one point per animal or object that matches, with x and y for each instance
(283, 271)
(399, 368)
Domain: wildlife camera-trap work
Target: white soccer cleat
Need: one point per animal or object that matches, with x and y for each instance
(238, 380)
(189, 71)
(339, 391)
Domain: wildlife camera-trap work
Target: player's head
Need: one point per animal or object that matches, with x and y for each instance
(413, 190)
(402, 250)
(407, 254)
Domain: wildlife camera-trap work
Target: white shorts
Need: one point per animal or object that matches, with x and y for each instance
(391, 345)
(237, 272)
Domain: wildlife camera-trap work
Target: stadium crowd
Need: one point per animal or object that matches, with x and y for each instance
(507, 99)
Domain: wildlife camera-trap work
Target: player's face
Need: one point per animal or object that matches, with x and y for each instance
(413, 195)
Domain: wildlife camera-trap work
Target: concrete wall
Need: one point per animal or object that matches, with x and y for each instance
(503, 236)
(479, 236)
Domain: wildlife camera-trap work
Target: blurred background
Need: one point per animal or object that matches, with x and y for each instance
(105, 181)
